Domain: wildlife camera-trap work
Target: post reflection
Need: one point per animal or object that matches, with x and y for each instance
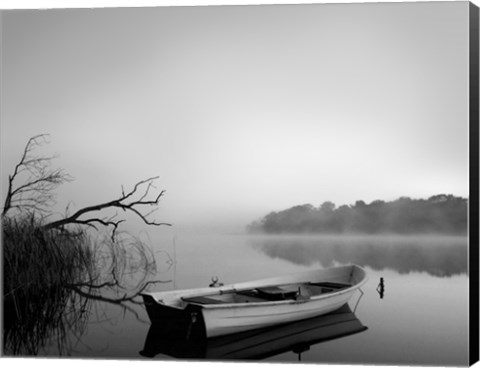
(381, 288)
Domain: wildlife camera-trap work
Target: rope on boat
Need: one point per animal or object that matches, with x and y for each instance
(174, 263)
(358, 300)
(193, 320)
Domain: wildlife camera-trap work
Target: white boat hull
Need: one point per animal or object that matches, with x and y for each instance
(245, 314)
(232, 319)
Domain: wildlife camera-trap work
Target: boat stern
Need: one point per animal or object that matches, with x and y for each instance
(160, 312)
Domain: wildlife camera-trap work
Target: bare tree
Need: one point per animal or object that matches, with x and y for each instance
(39, 180)
(65, 265)
(36, 193)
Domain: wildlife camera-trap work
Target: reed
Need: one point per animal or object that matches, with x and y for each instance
(52, 278)
(37, 265)
(37, 261)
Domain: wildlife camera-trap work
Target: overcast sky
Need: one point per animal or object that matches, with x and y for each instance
(242, 110)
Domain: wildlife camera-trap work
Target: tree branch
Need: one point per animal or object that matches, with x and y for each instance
(125, 202)
(39, 179)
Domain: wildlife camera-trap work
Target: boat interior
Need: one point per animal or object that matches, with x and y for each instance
(303, 291)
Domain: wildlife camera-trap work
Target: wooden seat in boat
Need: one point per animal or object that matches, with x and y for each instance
(331, 285)
(202, 300)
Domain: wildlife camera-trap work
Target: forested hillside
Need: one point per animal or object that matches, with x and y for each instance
(444, 214)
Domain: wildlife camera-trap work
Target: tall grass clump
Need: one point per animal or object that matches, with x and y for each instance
(37, 266)
(52, 277)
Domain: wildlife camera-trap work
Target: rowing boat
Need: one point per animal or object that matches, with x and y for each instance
(256, 304)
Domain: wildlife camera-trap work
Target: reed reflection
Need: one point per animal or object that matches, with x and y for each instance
(54, 287)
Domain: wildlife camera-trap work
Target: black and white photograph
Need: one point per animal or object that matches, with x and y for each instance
(269, 183)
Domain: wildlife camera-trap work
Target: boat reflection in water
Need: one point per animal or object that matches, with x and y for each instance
(190, 343)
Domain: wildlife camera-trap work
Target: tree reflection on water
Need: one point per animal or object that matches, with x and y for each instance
(438, 256)
(55, 323)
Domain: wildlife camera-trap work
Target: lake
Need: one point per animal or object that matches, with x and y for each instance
(419, 318)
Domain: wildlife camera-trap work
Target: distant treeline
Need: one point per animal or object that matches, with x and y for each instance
(444, 214)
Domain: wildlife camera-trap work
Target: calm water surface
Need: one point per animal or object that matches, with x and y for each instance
(421, 318)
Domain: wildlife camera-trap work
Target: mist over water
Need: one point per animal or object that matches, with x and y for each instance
(415, 314)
